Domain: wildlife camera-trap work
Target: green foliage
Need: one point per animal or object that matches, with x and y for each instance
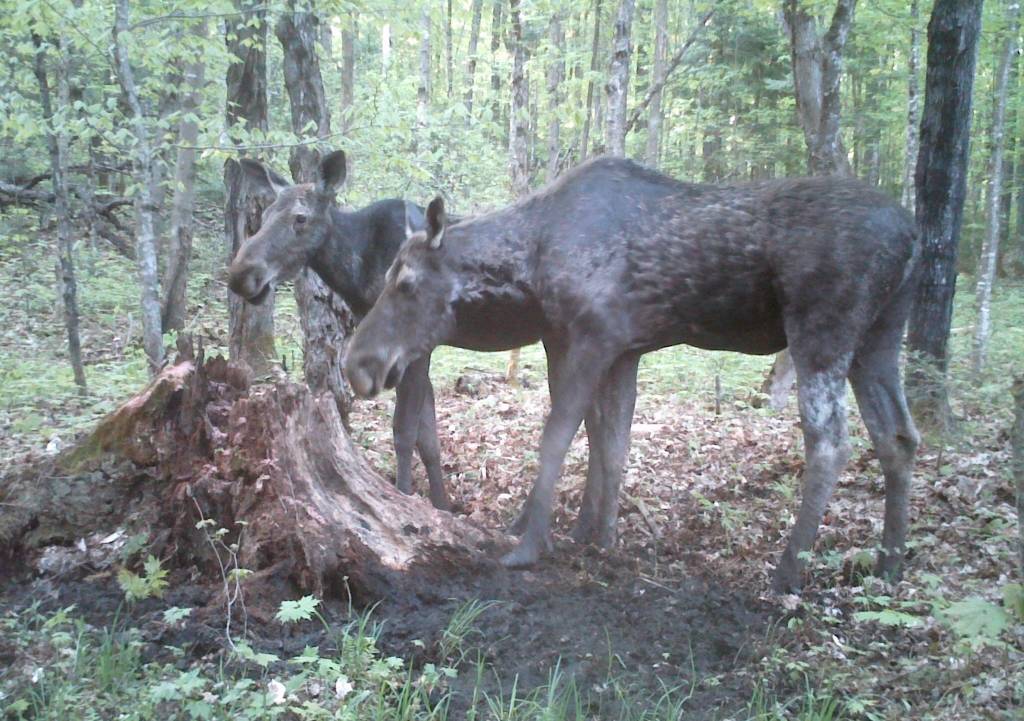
(151, 583)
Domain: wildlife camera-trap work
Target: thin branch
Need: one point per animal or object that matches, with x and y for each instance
(673, 64)
(195, 16)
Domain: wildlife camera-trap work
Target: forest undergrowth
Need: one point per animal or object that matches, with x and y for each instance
(677, 622)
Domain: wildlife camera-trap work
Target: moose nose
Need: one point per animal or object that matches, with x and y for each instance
(246, 281)
(366, 372)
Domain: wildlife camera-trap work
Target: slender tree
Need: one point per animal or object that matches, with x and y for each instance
(423, 88)
(449, 63)
(913, 106)
(496, 32)
(817, 69)
(986, 275)
(617, 88)
(474, 43)
(250, 327)
(179, 246)
(941, 180)
(556, 74)
(652, 153)
(348, 71)
(57, 142)
(595, 45)
(518, 135)
(144, 164)
(326, 319)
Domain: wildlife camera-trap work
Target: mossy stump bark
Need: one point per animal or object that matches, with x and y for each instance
(270, 463)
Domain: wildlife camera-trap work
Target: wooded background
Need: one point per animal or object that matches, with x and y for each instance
(110, 108)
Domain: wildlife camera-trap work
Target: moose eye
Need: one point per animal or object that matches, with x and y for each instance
(300, 219)
(405, 285)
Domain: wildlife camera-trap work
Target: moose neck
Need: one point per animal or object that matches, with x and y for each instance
(340, 259)
(494, 258)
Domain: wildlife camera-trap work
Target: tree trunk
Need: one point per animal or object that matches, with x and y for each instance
(326, 319)
(941, 179)
(250, 327)
(652, 154)
(986, 275)
(423, 89)
(617, 88)
(57, 141)
(913, 109)
(518, 136)
(1017, 461)
(348, 72)
(556, 73)
(594, 48)
(495, 70)
(179, 249)
(518, 161)
(817, 70)
(449, 63)
(272, 464)
(474, 42)
(146, 208)
(385, 48)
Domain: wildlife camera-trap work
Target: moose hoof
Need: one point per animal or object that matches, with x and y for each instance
(584, 533)
(889, 566)
(527, 553)
(788, 575)
(441, 502)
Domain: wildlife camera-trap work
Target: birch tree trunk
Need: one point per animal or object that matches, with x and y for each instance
(594, 46)
(817, 70)
(495, 70)
(348, 72)
(990, 248)
(941, 180)
(474, 43)
(1017, 463)
(556, 74)
(326, 319)
(617, 88)
(449, 64)
(652, 152)
(57, 141)
(913, 107)
(144, 164)
(518, 135)
(423, 88)
(179, 247)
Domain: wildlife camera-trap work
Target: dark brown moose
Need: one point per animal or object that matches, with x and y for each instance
(351, 252)
(614, 260)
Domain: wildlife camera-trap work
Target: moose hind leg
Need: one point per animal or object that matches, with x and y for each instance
(588, 521)
(822, 397)
(617, 398)
(876, 385)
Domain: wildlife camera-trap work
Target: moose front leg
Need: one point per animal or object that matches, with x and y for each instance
(430, 450)
(572, 392)
(409, 398)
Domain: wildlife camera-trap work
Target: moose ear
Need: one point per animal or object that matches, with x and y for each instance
(436, 222)
(414, 220)
(331, 173)
(263, 181)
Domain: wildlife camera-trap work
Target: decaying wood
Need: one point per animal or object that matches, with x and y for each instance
(1017, 444)
(199, 442)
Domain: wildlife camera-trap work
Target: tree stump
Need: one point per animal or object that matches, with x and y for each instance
(270, 463)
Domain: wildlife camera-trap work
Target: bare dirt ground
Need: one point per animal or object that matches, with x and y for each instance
(683, 601)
